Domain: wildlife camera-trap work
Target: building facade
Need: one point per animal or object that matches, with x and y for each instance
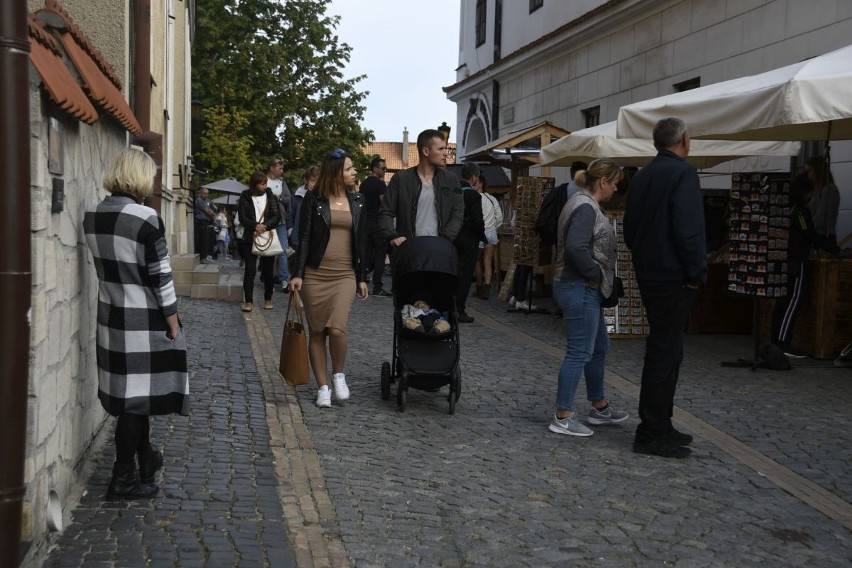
(104, 75)
(576, 63)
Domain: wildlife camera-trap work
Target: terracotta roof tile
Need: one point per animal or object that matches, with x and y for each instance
(99, 78)
(60, 85)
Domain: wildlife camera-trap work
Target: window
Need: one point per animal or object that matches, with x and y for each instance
(592, 116)
(480, 22)
(693, 83)
(535, 5)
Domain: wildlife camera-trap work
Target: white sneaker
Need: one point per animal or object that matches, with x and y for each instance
(324, 397)
(341, 391)
(525, 305)
(512, 302)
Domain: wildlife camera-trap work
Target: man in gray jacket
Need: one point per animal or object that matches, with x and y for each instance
(425, 200)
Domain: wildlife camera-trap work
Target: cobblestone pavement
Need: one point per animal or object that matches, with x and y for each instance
(365, 485)
(218, 505)
(490, 486)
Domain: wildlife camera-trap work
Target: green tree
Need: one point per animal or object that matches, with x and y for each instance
(281, 63)
(224, 150)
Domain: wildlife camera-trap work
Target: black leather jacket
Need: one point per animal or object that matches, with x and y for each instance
(248, 219)
(314, 232)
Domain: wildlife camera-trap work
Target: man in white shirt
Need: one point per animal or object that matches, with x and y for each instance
(279, 188)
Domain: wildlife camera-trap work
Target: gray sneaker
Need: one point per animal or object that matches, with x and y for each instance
(607, 416)
(570, 426)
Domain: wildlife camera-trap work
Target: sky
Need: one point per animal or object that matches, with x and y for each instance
(409, 50)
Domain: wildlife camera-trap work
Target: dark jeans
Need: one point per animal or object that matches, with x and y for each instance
(267, 263)
(132, 435)
(203, 238)
(467, 250)
(667, 306)
(376, 249)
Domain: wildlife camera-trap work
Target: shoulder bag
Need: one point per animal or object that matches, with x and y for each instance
(266, 243)
(293, 364)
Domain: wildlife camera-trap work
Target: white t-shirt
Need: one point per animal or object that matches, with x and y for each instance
(275, 185)
(259, 206)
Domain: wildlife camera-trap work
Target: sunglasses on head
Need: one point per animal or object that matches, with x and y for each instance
(339, 153)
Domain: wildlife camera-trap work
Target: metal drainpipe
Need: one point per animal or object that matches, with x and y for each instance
(15, 270)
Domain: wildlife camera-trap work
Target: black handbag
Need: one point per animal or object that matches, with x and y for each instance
(611, 301)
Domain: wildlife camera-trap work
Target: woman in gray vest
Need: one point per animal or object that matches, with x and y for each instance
(584, 273)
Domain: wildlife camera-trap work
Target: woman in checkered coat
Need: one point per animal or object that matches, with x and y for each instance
(141, 350)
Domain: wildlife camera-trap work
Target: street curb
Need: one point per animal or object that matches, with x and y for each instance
(308, 511)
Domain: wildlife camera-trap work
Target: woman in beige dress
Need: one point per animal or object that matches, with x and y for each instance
(328, 265)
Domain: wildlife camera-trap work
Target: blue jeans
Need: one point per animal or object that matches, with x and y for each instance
(586, 342)
(283, 271)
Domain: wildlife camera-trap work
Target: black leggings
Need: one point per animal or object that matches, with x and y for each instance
(132, 435)
(266, 265)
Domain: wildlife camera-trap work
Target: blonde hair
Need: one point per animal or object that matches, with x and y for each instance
(602, 168)
(131, 172)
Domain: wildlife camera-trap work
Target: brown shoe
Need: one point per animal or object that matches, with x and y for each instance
(267, 305)
(247, 307)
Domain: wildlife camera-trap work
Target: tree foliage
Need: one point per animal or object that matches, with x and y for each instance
(281, 64)
(224, 150)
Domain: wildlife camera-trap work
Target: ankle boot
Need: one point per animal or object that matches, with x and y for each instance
(125, 484)
(150, 463)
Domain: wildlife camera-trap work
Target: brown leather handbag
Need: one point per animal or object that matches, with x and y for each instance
(293, 364)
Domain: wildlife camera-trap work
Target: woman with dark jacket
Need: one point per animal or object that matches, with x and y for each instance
(332, 242)
(258, 212)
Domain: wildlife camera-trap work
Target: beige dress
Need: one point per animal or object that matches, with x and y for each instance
(328, 291)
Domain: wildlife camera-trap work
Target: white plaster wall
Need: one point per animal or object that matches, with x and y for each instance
(642, 56)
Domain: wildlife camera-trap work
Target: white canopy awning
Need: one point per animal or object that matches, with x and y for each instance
(811, 100)
(600, 142)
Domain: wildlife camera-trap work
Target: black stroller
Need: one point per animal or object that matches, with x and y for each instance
(424, 270)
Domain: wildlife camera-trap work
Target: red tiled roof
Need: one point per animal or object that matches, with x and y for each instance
(391, 152)
(100, 80)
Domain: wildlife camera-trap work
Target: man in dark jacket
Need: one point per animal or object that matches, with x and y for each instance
(425, 199)
(467, 241)
(664, 229)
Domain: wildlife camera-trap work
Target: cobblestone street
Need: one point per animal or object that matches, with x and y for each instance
(259, 476)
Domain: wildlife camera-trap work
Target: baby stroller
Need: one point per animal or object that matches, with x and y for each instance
(424, 270)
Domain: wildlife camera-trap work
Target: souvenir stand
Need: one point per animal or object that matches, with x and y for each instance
(757, 258)
(526, 247)
(627, 319)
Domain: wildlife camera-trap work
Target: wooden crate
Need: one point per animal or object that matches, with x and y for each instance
(717, 311)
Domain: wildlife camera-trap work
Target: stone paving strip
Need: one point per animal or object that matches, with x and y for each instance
(310, 516)
(808, 492)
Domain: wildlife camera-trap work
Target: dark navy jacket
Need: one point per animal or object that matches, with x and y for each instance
(664, 222)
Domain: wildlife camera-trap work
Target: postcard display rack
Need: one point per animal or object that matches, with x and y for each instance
(757, 261)
(531, 192)
(759, 219)
(627, 319)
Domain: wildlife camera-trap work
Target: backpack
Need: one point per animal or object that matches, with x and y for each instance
(547, 220)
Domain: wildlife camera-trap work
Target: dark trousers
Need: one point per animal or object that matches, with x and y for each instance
(376, 249)
(467, 249)
(667, 306)
(521, 281)
(203, 244)
(267, 263)
(132, 436)
(787, 308)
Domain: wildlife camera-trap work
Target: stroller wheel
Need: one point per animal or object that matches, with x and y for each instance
(401, 396)
(385, 380)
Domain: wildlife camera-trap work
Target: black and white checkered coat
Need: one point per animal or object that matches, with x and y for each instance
(140, 370)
